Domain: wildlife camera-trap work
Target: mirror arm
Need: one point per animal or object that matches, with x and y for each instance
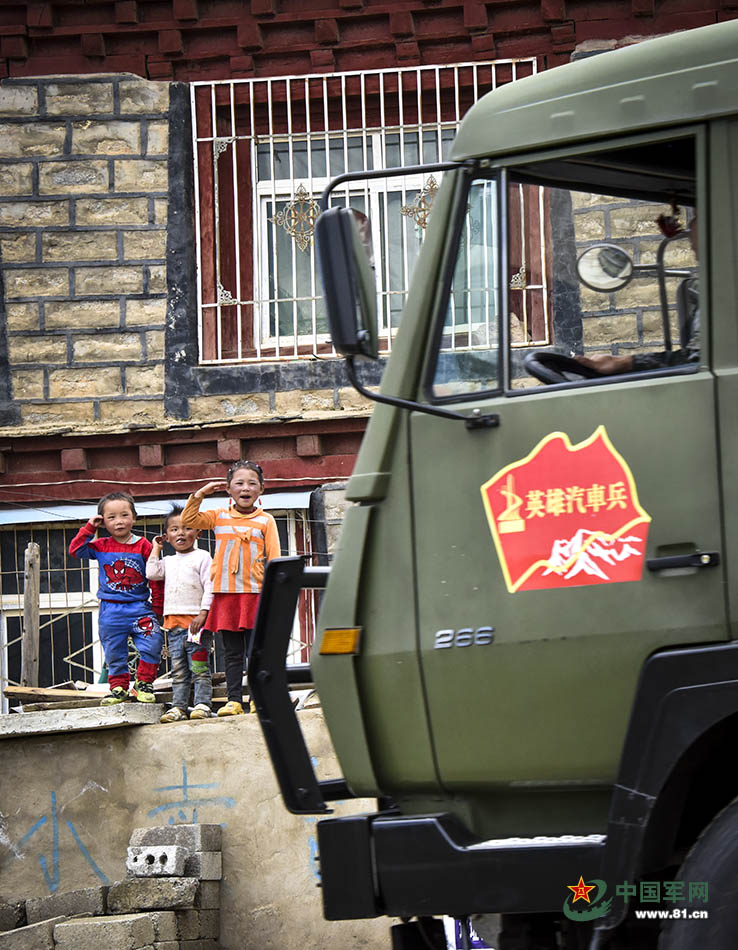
(474, 421)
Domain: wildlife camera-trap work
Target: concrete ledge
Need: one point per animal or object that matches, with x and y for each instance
(79, 720)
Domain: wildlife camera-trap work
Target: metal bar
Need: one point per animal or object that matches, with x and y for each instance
(284, 578)
(198, 236)
(236, 221)
(216, 226)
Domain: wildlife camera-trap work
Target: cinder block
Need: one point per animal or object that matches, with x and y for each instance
(193, 837)
(91, 901)
(33, 937)
(163, 860)
(125, 932)
(206, 865)
(198, 924)
(208, 895)
(165, 925)
(12, 913)
(164, 893)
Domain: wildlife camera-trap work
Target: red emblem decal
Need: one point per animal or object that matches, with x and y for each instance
(567, 515)
(122, 576)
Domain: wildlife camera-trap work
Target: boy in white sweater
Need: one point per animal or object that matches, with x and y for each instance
(188, 593)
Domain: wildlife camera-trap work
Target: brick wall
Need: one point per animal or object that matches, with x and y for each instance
(83, 231)
(97, 250)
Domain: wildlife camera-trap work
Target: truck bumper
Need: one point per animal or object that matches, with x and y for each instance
(407, 866)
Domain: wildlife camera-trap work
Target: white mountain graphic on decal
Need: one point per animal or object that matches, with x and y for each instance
(591, 559)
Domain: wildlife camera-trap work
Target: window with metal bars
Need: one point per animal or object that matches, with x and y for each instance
(265, 149)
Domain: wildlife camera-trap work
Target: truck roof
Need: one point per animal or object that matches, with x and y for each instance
(666, 81)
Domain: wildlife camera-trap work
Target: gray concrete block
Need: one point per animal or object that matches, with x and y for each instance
(198, 924)
(198, 945)
(77, 720)
(157, 860)
(91, 901)
(33, 937)
(208, 895)
(124, 932)
(167, 945)
(164, 893)
(12, 913)
(206, 865)
(165, 925)
(195, 837)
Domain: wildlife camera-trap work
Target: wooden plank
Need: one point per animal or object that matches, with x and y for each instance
(40, 694)
(31, 589)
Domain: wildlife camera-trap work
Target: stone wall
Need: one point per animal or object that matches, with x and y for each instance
(98, 318)
(67, 824)
(83, 231)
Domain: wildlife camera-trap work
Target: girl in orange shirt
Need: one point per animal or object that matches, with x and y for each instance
(245, 539)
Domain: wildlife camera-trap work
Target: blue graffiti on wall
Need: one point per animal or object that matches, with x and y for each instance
(179, 805)
(52, 875)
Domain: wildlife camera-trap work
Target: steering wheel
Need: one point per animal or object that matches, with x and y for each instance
(551, 367)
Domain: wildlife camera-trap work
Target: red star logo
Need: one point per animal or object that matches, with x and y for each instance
(581, 890)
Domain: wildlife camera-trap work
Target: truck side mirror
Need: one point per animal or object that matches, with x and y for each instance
(605, 267)
(349, 282)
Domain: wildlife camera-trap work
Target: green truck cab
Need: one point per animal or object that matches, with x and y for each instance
(526, 648)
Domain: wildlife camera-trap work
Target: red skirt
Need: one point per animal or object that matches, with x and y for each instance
(232, 612)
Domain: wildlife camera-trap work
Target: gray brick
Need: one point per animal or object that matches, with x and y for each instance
(162, 860)
(91, 901)
(125, 932)
(193, 837)
(33, 937)
(205, 865)
(167, 945)
(12, 913)
(164, 893)
(208, 895)
(165, 924)
(198, 924)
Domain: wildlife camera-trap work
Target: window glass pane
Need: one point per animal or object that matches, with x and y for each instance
(468, 357)
(593, 289)
(339, 149)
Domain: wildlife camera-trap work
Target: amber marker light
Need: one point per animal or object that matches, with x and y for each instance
(340, 640)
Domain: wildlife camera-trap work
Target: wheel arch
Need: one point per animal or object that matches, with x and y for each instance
(685, 709)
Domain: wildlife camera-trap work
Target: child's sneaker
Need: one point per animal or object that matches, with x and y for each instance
(175, 714)
(231, 708)
(201, 711)
(144, 692)
(116, 695)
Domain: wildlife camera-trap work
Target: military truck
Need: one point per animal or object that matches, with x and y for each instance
(526, 645)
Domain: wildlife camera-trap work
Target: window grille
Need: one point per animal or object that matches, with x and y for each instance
(264, 150)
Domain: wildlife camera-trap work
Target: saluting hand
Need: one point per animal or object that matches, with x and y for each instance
(211, 487)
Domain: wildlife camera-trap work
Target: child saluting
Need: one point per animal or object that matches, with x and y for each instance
(125, 608)
(245, 539)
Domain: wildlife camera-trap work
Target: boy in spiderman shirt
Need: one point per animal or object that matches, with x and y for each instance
(123, 591)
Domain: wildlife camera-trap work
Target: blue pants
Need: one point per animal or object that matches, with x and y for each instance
(119, 621)
(180, 651)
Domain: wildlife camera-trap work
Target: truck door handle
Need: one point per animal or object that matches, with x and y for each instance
(698, 559)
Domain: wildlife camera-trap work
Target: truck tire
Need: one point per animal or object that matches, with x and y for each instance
(713, 859)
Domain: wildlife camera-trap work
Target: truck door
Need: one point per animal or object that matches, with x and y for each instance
(537, 607)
